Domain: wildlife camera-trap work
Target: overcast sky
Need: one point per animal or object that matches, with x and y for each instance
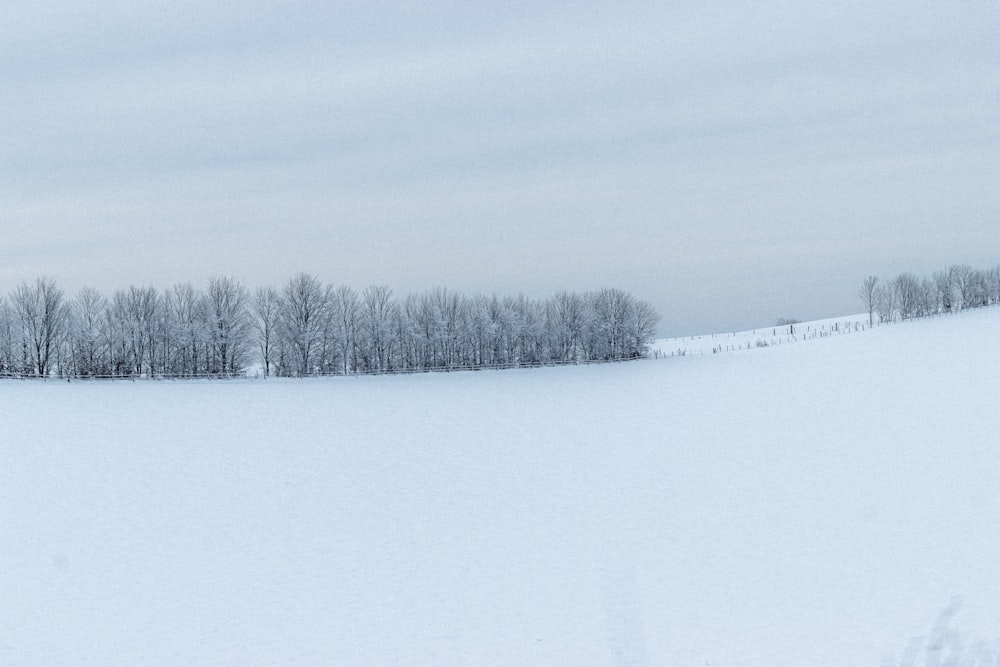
(730, 162)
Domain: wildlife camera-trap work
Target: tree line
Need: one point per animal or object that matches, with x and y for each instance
(307, 328)
(907, 296)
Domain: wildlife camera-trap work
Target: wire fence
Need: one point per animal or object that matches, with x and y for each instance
(97, 377)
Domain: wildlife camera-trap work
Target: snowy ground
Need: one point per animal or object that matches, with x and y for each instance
(763, 337)
(811, 504)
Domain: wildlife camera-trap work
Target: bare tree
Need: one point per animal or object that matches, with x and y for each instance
(928, 298)
(379, 312)
(310, 328)
(304, 312)
(530, 318)
(8, 363)
(136, 316)
(992, 282)
(266, 309)
(642, 327)
(963, 278)
(90, 355)
(869, 296)
(945, 287)
(907, 289)
(568, 317)
(612, 309)
(188, 330)
(978, 288)
(230, 324)
(479, 331)
(348, 310)
(42, 314)
(331, 338)
(886, 302)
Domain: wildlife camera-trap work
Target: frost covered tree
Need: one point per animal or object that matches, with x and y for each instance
(945, 290)
(869, 296)
(347, 309)
(478, 330)
(379, 313)
(886, 302)
(90, 353)
(642, 327)
(991, 281)
(265, 310)
(963, 277)
(309, 328)
(229, 323)
(569, 318)
(42, 314)
(327, 359)
(305, 310)
(612, 308)
(956, 288)
(908, 295)
(188, 330)
(8, 360)
(136, 318)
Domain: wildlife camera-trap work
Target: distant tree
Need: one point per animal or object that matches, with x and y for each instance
(529, 316)
(869, 296)
(7, 338)
(327, 359)
(42, 314)
(642, 327)
(978, 289)
(479, 331)
(230, 324)
(304, 313)
(963, 278)
(379, 313)
(927, 297)
(908, 295)
(612, 309)
(348, 310)
(188, 330)
(310, 328)
(88, 324)
(569, 317)
(416, 331)
(945, 290)
(266, 309)
(992, 285)
(446, 308)
(136, 317)
(886, 302)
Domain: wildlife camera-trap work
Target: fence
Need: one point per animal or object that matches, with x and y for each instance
(258, 374)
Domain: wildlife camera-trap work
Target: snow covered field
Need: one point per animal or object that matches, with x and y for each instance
(811, 504)
(763, 337)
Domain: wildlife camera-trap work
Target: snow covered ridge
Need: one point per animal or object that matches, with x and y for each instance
(816, 504)
(755, 339)
(759, 338)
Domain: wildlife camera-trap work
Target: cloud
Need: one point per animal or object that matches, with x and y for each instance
(414, 143)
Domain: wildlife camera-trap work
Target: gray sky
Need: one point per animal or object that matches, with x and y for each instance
(730, 162)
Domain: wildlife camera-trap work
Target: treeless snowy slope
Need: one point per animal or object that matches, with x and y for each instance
(809, 504)
(763, 337)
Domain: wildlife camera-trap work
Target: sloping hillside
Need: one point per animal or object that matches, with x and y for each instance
(809, 504)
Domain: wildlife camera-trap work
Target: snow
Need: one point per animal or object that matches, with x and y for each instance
(762, 337)
(817, 503)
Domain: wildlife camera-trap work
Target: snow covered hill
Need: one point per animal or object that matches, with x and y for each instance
(819, 503)
(759, 338)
